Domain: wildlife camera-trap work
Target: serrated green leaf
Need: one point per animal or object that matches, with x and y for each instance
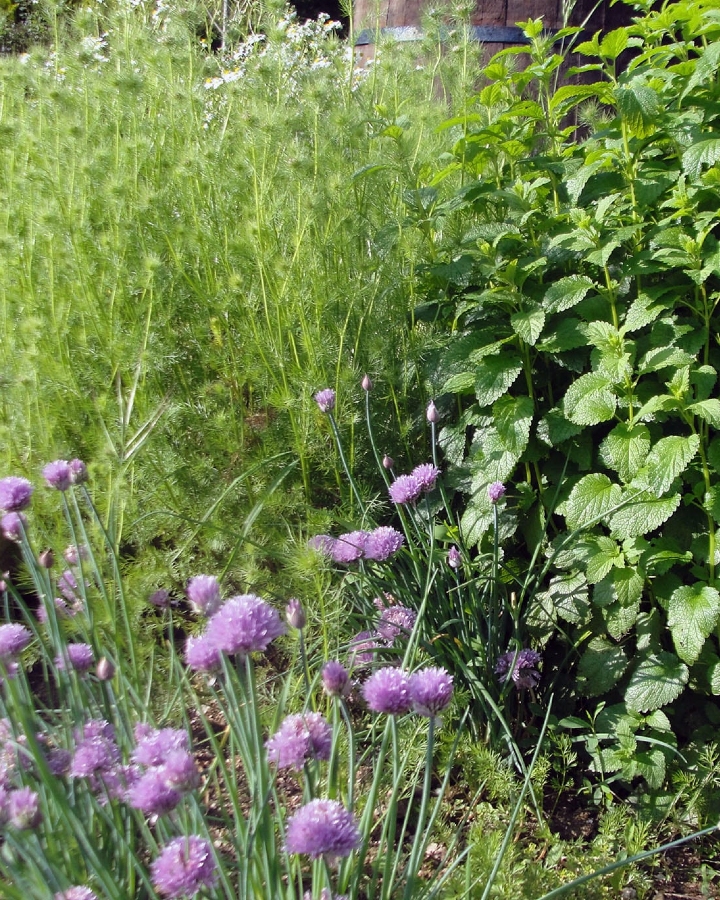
(568, 334)
(495, 375)
(528, 324)
(567, 292)
(512, 417)
(620, 619)
(639, 106)
(462, 383)
(711, 502)
(625, 448)
(590, 500)
(628, 584)
(662, 357)
(703, 380)
(554, 428)
(474, 523)
(703, 153)
(566, 598)
(590, 400)
(613, 43)
(657, 681)
(600, 554)
(668, 458)
(656, 404)
(600, 668)
(709, 410)
(643, 310)
(643, 514)
(692, 614)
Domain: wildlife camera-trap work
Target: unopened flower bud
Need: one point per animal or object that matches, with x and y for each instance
(432, 414)
(453, 558)
(366, 383)
(295, 614)
(47, 559)
(105, 670)
(78, 471)
(388, 462)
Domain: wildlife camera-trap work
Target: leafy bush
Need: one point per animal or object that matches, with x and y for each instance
(572, 290)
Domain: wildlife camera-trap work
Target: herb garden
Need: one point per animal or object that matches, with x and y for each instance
(360, 444)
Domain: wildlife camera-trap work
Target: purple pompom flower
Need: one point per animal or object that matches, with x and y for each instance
(299, 738)
(179, 771)
(160, 599)
(396, 620)
(202, 655)
(152, 794)
(14, 638)
(322, 828)
(79, 657)
(325, 399)
(153, 744)
(78, 471)
(15, 493)
(431, 691)
(426, 474)
(67, 585)
(496, 490)
(388, 691)
(521, 666)
(23, 809)
(454, 559)
(405, 489)
(58, 474)
(74, 553)
(185, 867)
(244, 624)
(204, 594)
(335, 679)
(382, 543)
(96, 751)
(13, 526)
(76, 893)
(349, 547)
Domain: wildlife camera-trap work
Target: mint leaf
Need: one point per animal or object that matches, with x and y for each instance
(645, 513)
(600, 668)
(494, 376)
(567, 292)
(512, 417)
(693, 613)
(709, 410)
(590, 400)
(625, 449)
(590, 499)
(657, 681)
(528, 324)
(668, 458)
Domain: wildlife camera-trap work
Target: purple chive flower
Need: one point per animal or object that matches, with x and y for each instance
(382, 543)
(396, 620)
(323, 543)
(299, 738)
(58, 761)
(202, 655)
(204, 594)
(335, 679)
(79, 657)
(58, 474)
(13, 525)
(179, 771)
(73, 554)
(325, 399)
(432, 414)
(521, 666)
(322, 828)
(244, 624)
(67, 585)
(96, 751)
(350, 547)
(496, 490)
(15, 493)
(78, 471)
(366, 383)
(185, 867)
(295, 614)
(152, 744)
(14, 638)
(388, 691)
(431, 691)
(153, 795)
(405, 489)
(160, 599)
(61, 607)
(362, 647)
(454, 560)
(76, 893)
(23, 809)
(427, 475)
